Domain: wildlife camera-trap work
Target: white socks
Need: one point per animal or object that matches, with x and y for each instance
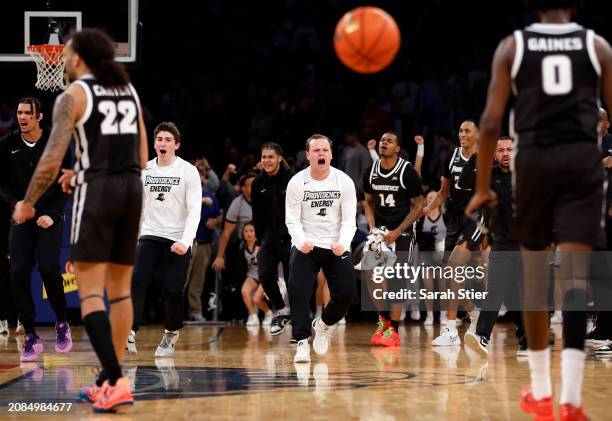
(572, 372)
(283, 311)
(539, 366)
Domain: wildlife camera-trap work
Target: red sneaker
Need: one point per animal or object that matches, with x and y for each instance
(113, 398)
(390, 337)
(383, 324)
(568, 412)
(540, 410)
(89, 393)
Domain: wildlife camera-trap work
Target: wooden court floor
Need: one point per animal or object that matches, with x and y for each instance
(239, 373)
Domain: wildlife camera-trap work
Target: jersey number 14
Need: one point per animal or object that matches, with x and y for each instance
(387, 200)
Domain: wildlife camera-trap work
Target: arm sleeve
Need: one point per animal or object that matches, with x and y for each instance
(293, 211)
(193, 196)
(258, 209)
(212, 181)
(412, 182)
(348, 206)
(373, 154)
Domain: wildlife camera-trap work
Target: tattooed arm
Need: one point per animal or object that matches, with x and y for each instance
(68, 109)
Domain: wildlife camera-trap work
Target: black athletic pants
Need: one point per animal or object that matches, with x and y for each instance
(270, 254)
(30, 244)
(155, 261)
(601, 280)
(6, 300)
(303, 277)
(504, 284)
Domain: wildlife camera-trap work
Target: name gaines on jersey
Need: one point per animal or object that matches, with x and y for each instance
(554, 44)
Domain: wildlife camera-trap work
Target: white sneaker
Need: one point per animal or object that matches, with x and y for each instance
(267, 321)
(443, 318)
(320, 344)
(4, 330)
(253, 320)
(167, 344)
(415, 314)
(131, 343)
(476, 342)
(448, 337)
(19, 329)
(429, 320)
(302, 352)
(403, 313)
(502, 311)
(474, 321)
(342, 321)
(557, 318)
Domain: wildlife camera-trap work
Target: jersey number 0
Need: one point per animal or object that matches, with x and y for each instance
(557, 74)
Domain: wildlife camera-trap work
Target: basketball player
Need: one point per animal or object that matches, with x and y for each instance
(462, 234)
(268, 199)
(393, 199)
(38, 241)
(554, 69)
(172, 206)
(107, 199)
(321, 206)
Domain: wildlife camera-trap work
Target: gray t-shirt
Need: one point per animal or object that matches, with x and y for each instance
(239, 213)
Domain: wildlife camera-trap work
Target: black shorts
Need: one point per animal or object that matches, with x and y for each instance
(560, 189)
(105, 220)
(459, 230)
(405, 247)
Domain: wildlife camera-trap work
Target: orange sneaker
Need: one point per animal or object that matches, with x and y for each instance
(113, 398)
(540, 410)
(89, 393)
(568, 412)
(383, 324)
(390, 337)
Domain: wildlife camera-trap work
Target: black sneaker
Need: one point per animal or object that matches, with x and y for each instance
(605, 349)
(523, 351)
(597, 338)
(278, 324)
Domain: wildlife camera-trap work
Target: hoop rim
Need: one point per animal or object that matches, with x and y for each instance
(45, 48)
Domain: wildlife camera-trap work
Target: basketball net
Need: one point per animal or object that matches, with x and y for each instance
(49, 61)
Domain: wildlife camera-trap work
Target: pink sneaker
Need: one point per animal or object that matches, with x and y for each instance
(32, 346)
(63, 338)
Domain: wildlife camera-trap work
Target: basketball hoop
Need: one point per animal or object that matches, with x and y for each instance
(49, 61)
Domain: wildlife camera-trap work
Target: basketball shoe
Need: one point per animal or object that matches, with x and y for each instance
(540, 410)
(447, 337)
(131, 343)
(167, 345)
(390, 337)
(114, 398)
(302, 352)
(476, 342)
(32, 346)
(383, 324)
(568, 412)
(63, 337)
(320, 343)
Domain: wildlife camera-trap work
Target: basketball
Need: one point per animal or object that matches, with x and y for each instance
(366, 39)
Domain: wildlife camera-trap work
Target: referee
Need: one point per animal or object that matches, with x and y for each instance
(321, 205)
(268, 202)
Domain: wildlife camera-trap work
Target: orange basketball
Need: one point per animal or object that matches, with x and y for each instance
(367, 39)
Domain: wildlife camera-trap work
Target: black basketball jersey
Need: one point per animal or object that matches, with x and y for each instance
(107, 136)
(459, 196)
(392, 191)
(555, 78)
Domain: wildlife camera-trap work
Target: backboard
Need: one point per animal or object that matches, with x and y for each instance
(34, 21)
